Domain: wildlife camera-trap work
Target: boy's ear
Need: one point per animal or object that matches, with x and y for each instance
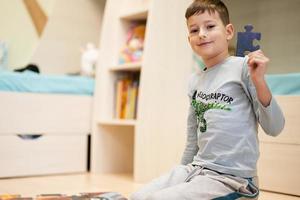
(189, 39)
(229, 31)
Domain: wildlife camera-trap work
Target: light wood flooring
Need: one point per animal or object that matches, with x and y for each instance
(77, 183)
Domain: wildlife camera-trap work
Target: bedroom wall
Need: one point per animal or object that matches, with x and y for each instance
(72, 24)
(47, 6)
(278, 21)
(17, 31)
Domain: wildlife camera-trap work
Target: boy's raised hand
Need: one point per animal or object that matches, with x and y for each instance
(257, 65)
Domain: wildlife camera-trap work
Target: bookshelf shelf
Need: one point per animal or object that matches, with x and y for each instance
(117, 122)
(136, 66)
(135, 15)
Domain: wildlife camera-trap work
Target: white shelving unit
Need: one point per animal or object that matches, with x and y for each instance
(118, 122)
(140, 13)
(136, 66)
(142, 146)
(113, 139)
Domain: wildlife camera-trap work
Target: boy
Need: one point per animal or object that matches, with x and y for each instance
(229, 97)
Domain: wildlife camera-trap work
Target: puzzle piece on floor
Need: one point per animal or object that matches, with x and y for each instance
(80, 196)
(245, 41)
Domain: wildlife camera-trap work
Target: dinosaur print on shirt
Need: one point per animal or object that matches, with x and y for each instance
(201, 108)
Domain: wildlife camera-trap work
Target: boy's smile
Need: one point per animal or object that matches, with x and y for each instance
(209, 37)
(203, 44)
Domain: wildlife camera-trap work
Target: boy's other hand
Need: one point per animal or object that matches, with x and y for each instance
(257, 65)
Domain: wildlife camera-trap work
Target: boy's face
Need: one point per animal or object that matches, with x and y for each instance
(208, 36)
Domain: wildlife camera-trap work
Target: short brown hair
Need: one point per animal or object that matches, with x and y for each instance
(200, 6)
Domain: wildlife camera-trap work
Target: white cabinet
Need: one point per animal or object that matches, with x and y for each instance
(24, 155)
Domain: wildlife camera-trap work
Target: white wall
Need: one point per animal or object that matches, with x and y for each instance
(72, 24)
(17, 30)
(47, 6)
(278, 21)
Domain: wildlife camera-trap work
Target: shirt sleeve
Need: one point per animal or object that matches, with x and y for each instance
(271, 117)
(191, 147)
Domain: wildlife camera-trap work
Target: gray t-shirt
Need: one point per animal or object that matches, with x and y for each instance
(223, 119)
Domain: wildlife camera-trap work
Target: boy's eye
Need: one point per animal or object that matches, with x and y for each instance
(210, 26)
(193, 30)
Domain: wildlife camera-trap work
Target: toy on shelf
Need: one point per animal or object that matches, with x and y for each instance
(133, 49)
(245, 41)
(89, 59)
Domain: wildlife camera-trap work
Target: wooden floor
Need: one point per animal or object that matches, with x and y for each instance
(77, 183)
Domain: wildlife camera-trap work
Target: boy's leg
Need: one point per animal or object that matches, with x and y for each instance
(255, 183)
(177, 175)
(204, 186)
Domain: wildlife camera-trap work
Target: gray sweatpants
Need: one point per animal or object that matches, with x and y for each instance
(188, 182)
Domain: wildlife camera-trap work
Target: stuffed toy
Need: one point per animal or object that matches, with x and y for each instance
(133, 49)
(89, 59)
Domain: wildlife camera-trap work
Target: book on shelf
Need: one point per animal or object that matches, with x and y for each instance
(126, 97)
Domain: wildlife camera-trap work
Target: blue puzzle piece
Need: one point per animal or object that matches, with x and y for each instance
(245, 41)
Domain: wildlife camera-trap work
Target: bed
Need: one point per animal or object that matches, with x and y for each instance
(279, 163)
(44, 119)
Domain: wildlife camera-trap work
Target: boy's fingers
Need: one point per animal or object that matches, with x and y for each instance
(258, 52)
(257, 60)
(257, 55)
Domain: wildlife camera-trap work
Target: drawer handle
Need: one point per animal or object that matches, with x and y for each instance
(29, 137)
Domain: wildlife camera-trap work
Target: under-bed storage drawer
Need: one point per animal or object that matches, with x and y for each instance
(279, 164)
(47, 154)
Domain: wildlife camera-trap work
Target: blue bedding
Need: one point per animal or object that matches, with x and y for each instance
(284, 84)
(280, 84)
(28, 81)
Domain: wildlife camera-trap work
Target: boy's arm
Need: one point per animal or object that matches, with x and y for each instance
(257, 66)
(191, 147)
(265, 106)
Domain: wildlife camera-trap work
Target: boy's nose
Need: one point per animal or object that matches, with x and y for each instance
(202, 34)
